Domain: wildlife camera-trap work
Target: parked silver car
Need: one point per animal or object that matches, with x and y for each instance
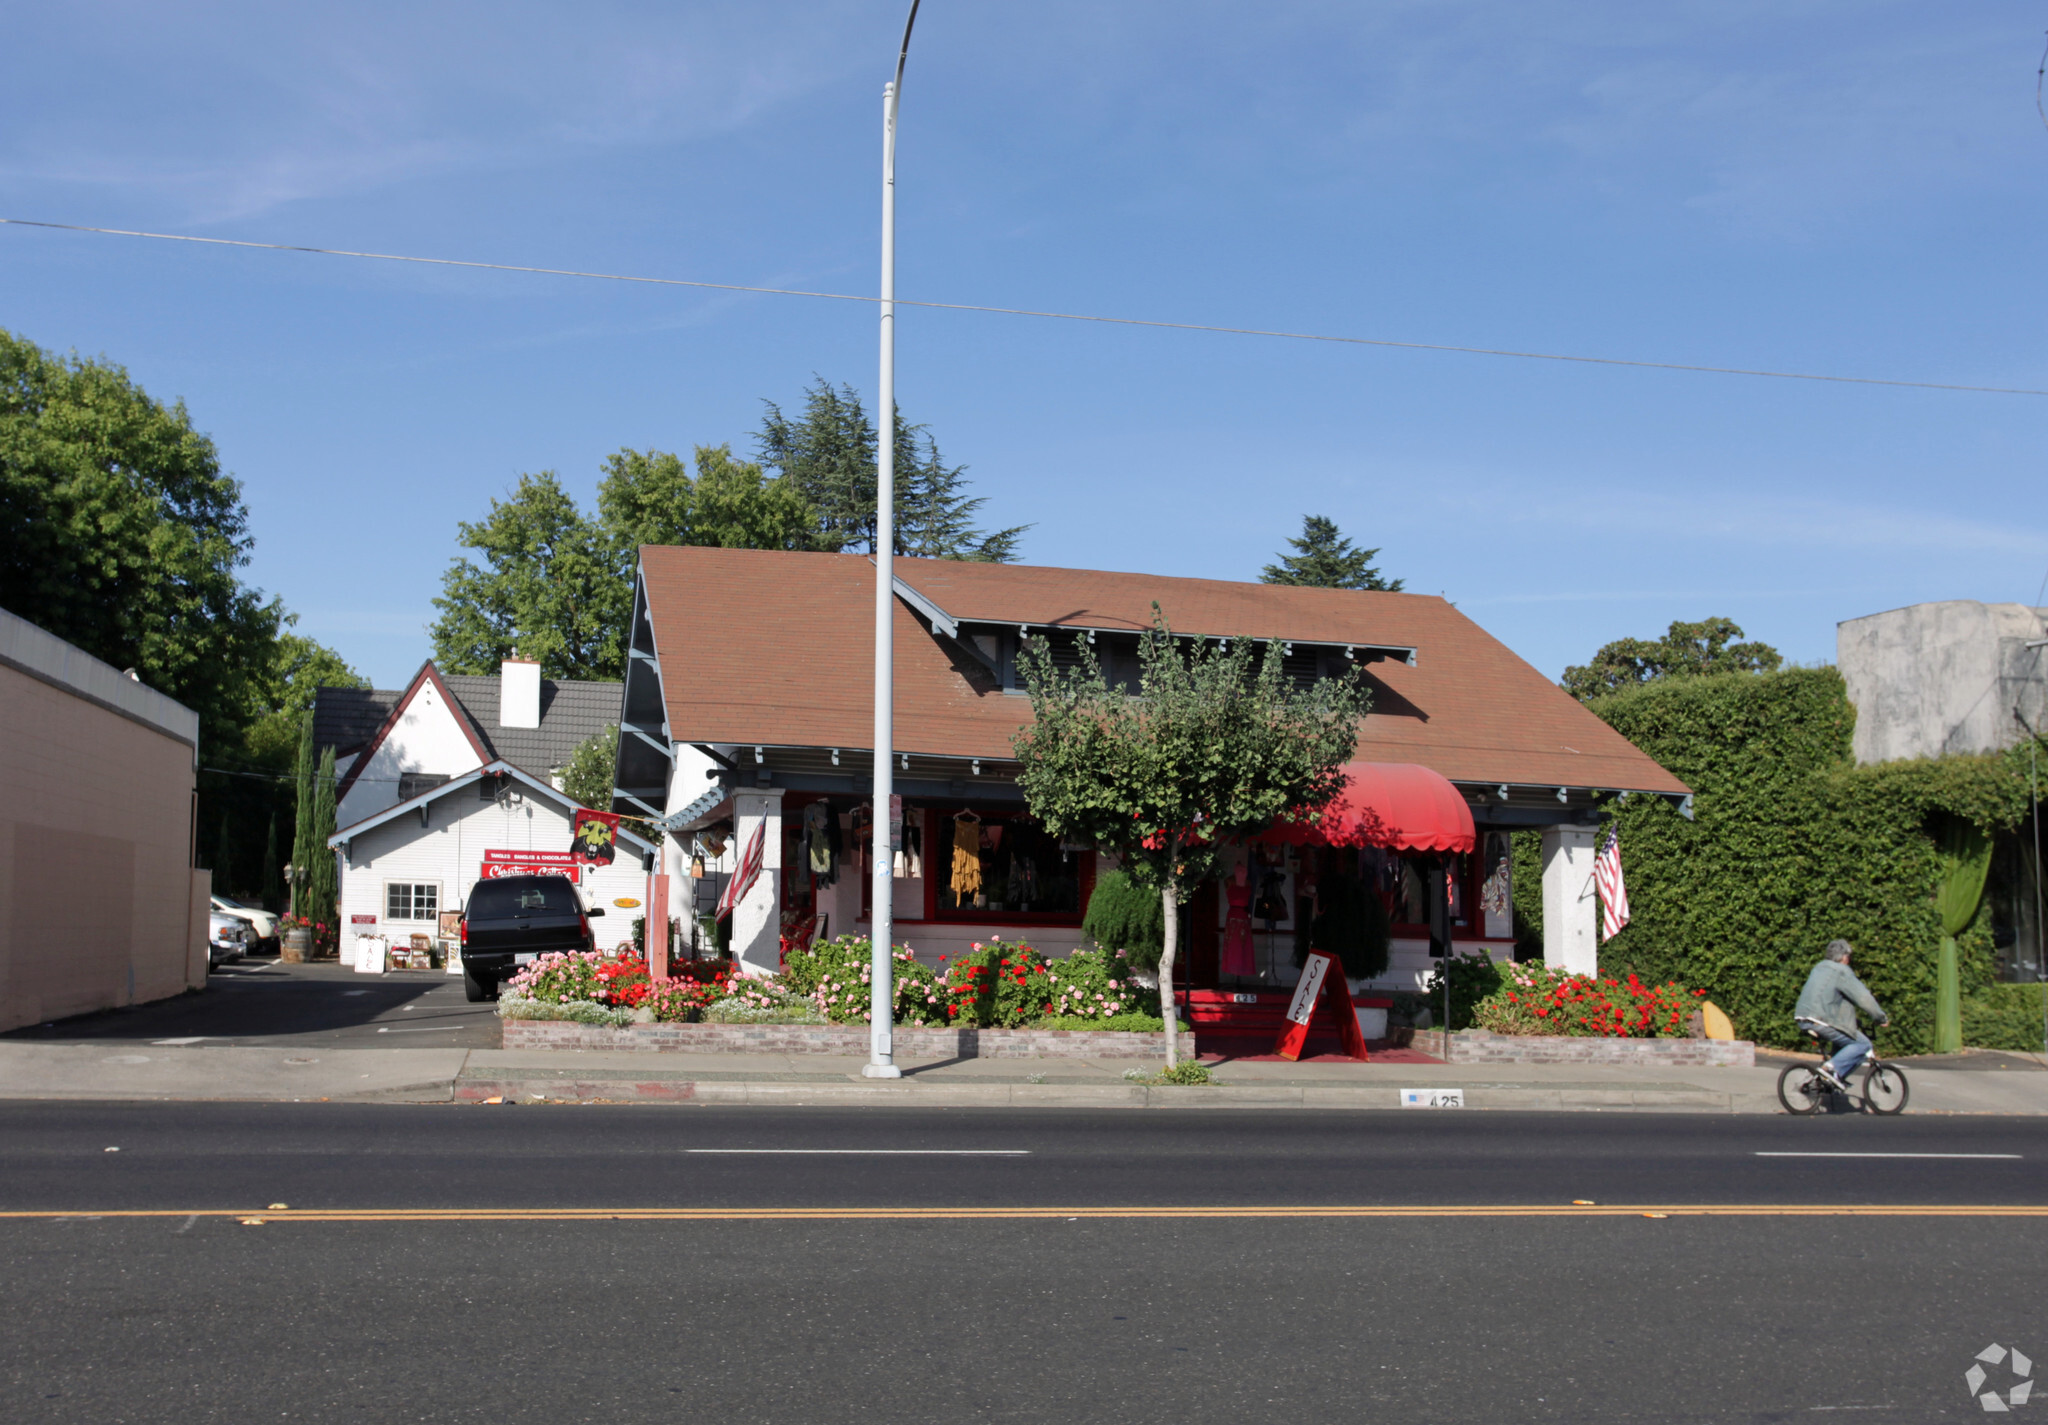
(227, 938)
(262, 924)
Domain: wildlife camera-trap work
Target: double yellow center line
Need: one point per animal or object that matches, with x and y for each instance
(260, 1216)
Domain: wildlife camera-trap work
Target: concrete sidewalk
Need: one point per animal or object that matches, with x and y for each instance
(1988, 1084)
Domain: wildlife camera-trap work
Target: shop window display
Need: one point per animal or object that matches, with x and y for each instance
(990, 864)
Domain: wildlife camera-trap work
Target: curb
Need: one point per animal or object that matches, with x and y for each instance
(898, 1094)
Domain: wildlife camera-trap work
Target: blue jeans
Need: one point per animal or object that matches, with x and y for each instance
(1849, 1048)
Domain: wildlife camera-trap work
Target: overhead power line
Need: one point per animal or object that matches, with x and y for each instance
(1054, 316)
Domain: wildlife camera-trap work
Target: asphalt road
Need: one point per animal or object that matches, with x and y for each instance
(959, 1308)
(266, 1002)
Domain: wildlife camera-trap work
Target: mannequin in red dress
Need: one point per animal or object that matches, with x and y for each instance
(1237, 924)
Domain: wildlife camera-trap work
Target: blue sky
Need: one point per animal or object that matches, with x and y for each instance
(1838, 187)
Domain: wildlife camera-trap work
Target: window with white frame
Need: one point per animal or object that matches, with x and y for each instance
(412, 900)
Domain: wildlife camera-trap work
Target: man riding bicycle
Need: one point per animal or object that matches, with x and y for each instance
(1827, 1010)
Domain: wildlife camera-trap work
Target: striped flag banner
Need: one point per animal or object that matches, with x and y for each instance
(1613, 892)
(749, 870)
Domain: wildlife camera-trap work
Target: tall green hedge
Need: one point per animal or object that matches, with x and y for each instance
(1792, 845)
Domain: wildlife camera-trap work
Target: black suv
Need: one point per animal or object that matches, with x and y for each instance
(512, 920)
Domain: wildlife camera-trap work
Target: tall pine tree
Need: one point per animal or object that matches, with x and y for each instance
(1324, 559)
(829, 454)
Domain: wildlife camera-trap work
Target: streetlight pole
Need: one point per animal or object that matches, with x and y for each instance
(887, 826)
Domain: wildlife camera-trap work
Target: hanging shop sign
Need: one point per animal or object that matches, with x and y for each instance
(532, 863)
(1321, 977)
(593, 836)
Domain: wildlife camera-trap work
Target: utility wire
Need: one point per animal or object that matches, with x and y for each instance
(1056, 316)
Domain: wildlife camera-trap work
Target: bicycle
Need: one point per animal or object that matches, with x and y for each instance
(1802, 1090)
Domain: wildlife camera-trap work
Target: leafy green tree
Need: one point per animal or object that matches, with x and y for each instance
(298, 668)
(1685, 651)
(119, 533)
(829, 455)
(588, 777)
(1216, 746)
(1324, 559)
(649, 497)
(549, 589)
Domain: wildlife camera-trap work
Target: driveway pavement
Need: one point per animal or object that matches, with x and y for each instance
(265, 1003)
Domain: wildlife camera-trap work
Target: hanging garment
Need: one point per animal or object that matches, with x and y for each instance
(1016, 897)
(966, 881)
(1237, 929)
(1271, 906)
(909, 862)
(1496, 894)
(820, 843)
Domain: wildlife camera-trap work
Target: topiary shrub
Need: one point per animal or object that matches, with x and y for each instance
(1123, 915)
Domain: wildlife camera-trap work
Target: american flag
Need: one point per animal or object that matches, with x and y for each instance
(749, 870)
(1613, 893)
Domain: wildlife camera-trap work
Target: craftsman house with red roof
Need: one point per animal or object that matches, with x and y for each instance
(748, 701)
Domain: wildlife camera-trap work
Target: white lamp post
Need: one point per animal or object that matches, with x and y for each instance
(881, 974)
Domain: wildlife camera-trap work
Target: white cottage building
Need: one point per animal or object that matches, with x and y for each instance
(454, 776)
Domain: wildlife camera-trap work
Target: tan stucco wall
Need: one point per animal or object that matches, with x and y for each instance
(96, 882)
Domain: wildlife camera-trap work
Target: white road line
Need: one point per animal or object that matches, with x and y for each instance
(428, 1029)
(2012, 1156)
(881, 1152)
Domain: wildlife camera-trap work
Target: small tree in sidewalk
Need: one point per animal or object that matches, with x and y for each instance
(1216, 745)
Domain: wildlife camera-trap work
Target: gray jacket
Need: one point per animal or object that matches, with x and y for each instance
(1833, 994)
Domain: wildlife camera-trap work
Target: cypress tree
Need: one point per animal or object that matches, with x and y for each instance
(302, 836)
(320, 885)
(223, 858)
(272, 884)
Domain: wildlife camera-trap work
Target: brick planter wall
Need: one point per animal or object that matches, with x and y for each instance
(847, 1040)
(1477, 1046)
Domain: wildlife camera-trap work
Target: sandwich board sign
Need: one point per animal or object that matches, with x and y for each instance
(1321, 976)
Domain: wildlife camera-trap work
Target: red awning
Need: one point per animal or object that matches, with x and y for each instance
(1396, 805)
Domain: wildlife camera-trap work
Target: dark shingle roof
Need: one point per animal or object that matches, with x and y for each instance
(346, 718)
(570, 715)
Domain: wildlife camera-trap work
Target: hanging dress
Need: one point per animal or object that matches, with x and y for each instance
(966, 882)
(1237, 929)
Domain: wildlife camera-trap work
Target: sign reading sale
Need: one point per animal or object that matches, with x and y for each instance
(532, 863)
(1321, 978)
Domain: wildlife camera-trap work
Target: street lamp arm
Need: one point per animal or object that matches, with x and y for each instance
(903, 53)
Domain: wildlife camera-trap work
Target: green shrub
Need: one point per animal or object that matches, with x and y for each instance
(1123, 915)
(1536, 999)
(1473, 978)
(1098, 984)
(1792, 846)
(1187, 1071)
(837, 975)
(575, 1011)
(750, 1001)
(2001, 1016)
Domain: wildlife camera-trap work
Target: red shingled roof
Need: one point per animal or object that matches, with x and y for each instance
(765, 646)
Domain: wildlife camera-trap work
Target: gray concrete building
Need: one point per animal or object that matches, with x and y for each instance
(1955, 676)
(1959, 676)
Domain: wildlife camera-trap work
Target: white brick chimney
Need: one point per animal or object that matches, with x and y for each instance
(519, 693)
